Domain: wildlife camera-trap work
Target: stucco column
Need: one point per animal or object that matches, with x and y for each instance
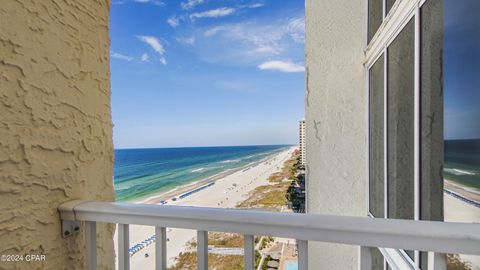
(55, 127)
(336, 119)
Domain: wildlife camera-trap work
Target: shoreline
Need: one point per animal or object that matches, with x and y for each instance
(468, 192)
(166, 196)
(229, 189)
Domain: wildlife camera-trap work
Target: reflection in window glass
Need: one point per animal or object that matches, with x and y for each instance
(375, 16)
(376, 114)
(462, 115)
(377, 259)
(389, 4)
(462, 93)
(400, 131)
(431, 118)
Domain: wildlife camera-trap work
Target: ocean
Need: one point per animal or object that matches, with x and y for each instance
(462, 162)
(140, 173)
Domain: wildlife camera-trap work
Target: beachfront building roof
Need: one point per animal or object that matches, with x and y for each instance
(374, 191)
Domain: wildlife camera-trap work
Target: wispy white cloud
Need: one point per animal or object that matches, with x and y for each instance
(153, 42)
(282, 66)
(296, 29)
(213, 13)
(156, 2)
(212, 31)
(156, 45)
(265, 39)
(173, 21)
(120, 56)
(191, 4)
(256, 5)
(258, 38)
(144, 57)
(186, 40)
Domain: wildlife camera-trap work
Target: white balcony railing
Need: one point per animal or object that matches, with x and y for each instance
(435, 237)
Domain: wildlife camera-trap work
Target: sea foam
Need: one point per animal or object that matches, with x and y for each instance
(459, 172)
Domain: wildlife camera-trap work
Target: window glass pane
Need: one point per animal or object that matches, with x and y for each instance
(376, 114)
(375, 16)
(389, 4)
(462, 117)
(400, 104)
(431, 96)
(462, 96)
(431, 118)
(377, 259)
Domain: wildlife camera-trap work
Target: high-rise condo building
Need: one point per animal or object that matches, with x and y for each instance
(301, 128)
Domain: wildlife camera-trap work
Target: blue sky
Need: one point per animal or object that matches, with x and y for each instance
(206, 72)
(462, 69)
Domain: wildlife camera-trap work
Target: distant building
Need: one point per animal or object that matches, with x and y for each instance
(303, 158)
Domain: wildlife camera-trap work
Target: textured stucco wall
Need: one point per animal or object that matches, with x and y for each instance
(336, 115)
(55, 126)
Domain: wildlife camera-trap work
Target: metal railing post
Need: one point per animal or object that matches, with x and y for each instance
(91, 242)
(437, 261)
(249, 252)
(365, 258)
(123, 245)
(302, 254)
(160, 248)
(202, 250)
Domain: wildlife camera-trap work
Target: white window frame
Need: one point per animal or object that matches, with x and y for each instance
(393, 23)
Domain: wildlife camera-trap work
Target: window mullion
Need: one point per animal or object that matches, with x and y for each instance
(385, 130)
(417, 129)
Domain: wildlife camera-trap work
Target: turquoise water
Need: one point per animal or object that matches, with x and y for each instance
(291, 265)
(140, 173)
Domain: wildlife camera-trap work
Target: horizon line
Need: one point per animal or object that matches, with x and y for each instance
(206, 146)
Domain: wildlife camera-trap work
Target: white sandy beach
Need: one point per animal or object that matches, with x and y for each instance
(456, 210)
(225, 193)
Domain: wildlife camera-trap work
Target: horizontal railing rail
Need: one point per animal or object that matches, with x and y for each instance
(433, 236)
